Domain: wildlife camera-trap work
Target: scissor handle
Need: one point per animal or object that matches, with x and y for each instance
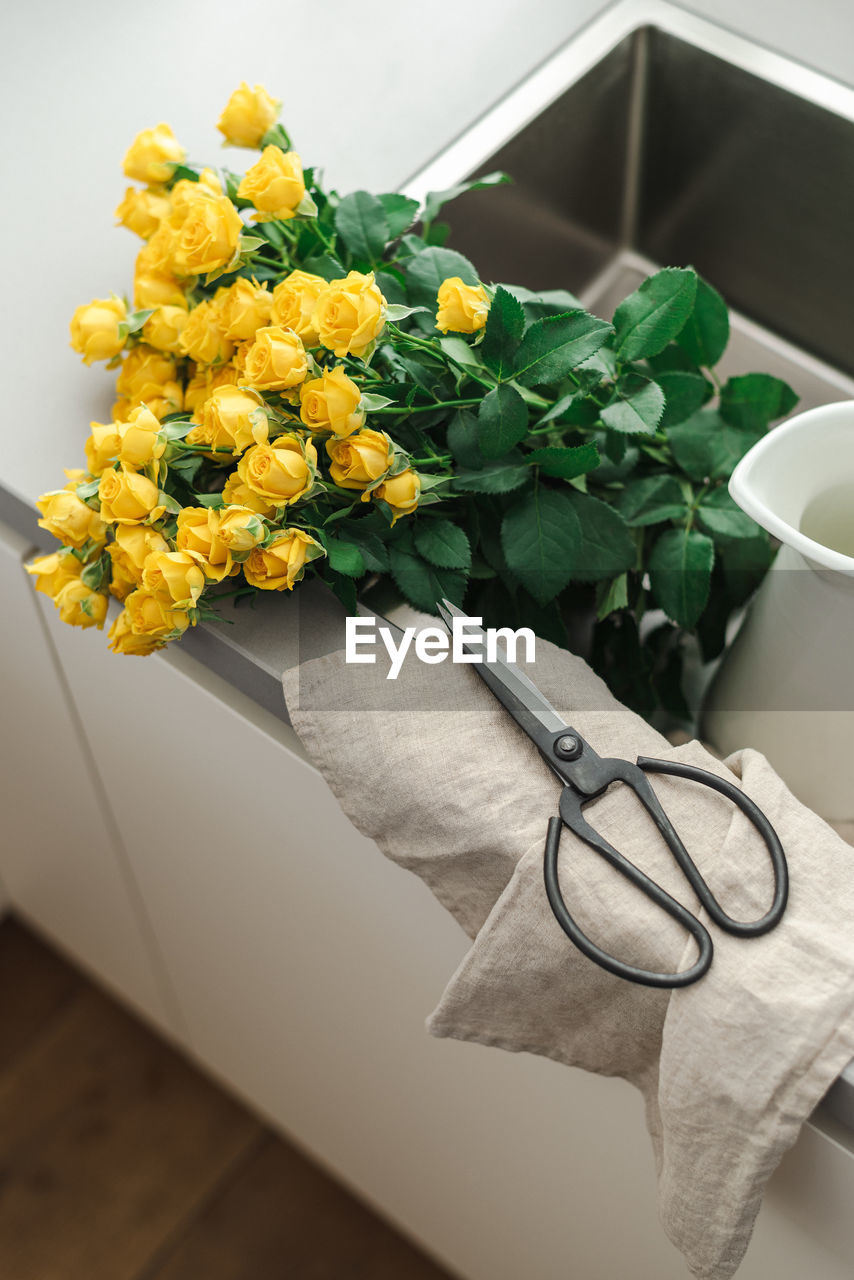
(646, 977)
(742, 928)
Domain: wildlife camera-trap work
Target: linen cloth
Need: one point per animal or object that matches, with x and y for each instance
(435, 771)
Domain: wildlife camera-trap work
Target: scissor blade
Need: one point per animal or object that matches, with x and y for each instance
(519, 695)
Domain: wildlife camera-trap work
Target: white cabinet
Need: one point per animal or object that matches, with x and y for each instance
(60, 861)
(305, 964)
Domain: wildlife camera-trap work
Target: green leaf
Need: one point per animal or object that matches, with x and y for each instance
(463, 440)
(326, 266)
(706, 332)
(706, 447)
(399, 311)
(558, 408)
(361, 222)
(680, 570)
(651, 317)
(400, 212)
(755, 399)
(94, 573)
(502, 333)
(607, 545)
(611, 596)
(166, 500)
(214, 500)
(443, 543)
(501, 476)
(374, 550)
(345, 589)
(176, 430)
(460, 352)
(684, 394)
(423, 584)
(371, 402)
(556, 345)
(638, 406)
(133, 322)
(565, 463)
(502, 420)
(427, 270)
(345, 558)
(435, 199)
(391, 287)
(88, 489)
(723, 518)
(541, 538)
(651, 499)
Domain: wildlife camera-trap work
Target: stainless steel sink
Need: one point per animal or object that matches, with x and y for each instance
(659, 141)
(657, 138)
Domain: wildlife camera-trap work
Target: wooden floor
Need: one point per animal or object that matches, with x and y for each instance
(120, 1161)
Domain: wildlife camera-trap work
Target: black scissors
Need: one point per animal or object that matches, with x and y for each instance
(586, 776)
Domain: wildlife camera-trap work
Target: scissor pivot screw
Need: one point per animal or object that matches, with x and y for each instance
(568, 747)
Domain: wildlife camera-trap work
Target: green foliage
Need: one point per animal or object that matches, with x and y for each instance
(654, 314)
(572, 470)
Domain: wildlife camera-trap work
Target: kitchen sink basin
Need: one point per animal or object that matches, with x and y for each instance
(665, 140)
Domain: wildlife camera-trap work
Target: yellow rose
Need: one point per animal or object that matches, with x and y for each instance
(153, 155)
(163, 330)
(240, 528)
(248, 115)
(274, 185)
(123, 579)
(332, 402)
(133, 544)
(463, 308)
(122, 638)
(140, 440)
(142, 211)
(359, 460)
(149, 616)
(154, 285)
(245, 308)
(208, 237)
(54, 571)
(294, 301)
(127, 497)
(144, 374)
(187, 190)
(203, 339)
(231, 418)
(282, 562)
(170, 401)
(102, 447)
(281, 472)
(198, 534)
(204, 383)
(276, 360)
(80, 606)
(174, 577)
(69, 519)
(401, 492)
(350, 314)
(95, 329)
(236, 493)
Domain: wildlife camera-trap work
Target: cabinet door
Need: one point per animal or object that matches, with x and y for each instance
(305, 965)
(61, 865)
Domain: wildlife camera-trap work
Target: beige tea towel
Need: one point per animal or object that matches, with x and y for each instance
(432, 768)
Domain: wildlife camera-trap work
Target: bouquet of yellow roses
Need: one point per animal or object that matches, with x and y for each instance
(315, 383)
